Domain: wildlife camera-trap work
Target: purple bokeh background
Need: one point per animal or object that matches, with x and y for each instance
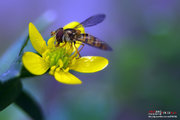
(116, 92)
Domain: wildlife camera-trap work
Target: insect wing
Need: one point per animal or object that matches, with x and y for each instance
(94, 41)
(91, 21)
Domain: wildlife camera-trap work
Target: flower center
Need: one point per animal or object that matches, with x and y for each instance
(57, 57)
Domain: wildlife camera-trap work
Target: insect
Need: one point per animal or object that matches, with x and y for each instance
(73, 34)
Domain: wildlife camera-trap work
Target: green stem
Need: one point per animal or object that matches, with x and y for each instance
(30, 106)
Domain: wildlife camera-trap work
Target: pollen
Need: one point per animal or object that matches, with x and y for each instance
(60, 62)
(57, 58)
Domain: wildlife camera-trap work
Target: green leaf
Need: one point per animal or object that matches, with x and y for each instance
(10, 84)
(9, 91)
(25, 73)
(26, 103)
(17, 48)
(11, 69)
(23, 46)
(12, 72)
(11, 55)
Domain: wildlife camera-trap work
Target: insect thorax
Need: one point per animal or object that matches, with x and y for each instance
(70, 35)
(67, 35)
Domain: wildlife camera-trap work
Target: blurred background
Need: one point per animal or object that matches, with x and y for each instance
(144, 67)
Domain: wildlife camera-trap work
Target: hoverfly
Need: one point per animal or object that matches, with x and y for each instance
(73, 34)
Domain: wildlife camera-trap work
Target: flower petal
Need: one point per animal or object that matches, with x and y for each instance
(66, 77)
(34, 63)
(51, 42)
(36, 39)
(89, 64)
(74, 24)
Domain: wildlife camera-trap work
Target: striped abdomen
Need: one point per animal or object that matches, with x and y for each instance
(93, 41)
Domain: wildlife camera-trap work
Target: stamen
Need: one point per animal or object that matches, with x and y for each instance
(60, 62)
(60, 58)
(66, 70)
(52, 70)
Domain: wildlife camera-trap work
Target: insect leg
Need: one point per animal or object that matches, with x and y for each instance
(81, 47)
(57, 44)
(76, 49)
(63, 45)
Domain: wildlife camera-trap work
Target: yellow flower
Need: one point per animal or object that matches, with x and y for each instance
(59, 60)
